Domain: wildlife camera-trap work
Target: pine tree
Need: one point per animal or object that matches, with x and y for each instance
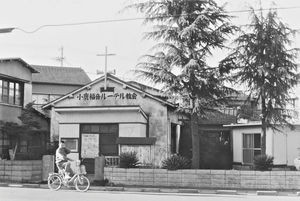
(186, 32)
(263, 62)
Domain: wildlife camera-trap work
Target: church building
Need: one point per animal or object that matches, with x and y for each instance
(109, 116)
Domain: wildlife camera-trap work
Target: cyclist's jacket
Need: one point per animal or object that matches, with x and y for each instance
(61, 154)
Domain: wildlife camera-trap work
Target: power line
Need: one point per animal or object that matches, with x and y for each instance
(143, 18)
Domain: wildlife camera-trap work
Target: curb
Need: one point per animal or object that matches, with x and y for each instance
(266, 193)
(168, 190)
(16, 185)
(114, 188)
(154, 190)
(226, 192)
(188, 191)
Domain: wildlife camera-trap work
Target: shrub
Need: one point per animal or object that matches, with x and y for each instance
(263, 162)
(176, 162)
(128, 160)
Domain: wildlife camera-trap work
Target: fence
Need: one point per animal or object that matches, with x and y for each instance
(217, 179)
(21, 171)
(112, 161)
(32, 171)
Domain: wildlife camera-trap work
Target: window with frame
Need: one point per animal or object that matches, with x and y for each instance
(251, 147)
(11, 92)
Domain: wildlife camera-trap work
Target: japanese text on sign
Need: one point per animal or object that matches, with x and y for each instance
(103, 96)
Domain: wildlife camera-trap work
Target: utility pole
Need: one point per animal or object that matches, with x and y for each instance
(61, 58)
(105, 69)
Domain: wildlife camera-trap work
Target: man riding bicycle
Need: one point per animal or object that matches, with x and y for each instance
(62, 161)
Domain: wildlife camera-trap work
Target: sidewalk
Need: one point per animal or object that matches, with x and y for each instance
(163, 190)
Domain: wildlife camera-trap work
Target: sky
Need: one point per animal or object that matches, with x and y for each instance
(82, 43)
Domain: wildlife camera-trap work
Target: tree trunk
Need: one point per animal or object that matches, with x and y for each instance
(263, 126)
(195, 141)
(263, 138)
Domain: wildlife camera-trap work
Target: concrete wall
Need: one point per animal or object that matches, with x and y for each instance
(222, 179)
(21, 171)
(284, 145)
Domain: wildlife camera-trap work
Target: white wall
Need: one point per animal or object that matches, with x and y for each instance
(132, 130)
(292, 144)
(69, 130)
(101, 117)
(283, 146)
(277, 144)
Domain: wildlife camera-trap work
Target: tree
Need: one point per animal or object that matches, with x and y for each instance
(263, 62)
(186, 31)
(29, 128)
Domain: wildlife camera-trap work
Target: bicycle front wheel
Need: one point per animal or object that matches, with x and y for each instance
(82, 183)
(54, 182)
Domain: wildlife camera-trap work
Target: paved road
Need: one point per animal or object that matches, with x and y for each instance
(36, 194)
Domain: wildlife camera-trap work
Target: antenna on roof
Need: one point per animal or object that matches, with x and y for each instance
(61, 58)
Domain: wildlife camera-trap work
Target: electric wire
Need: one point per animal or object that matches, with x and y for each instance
(143, 18)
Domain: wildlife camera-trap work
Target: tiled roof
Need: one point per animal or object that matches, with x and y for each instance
(217, 118)
(30, 67)
(60, 75)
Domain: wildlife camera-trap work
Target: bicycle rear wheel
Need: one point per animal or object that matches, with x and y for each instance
(82, 183)
(54, 182)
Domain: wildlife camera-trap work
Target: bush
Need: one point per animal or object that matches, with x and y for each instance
(128, 160)
(263, 162)
(176, 162)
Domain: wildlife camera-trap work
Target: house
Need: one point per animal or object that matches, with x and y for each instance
(15, 94)
(53, 82)
(114, 116)
(283, 145)
(214, 140)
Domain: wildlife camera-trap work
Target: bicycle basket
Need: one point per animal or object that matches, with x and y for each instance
(82, 169)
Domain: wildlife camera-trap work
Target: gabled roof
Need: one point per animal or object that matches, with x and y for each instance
(142, 86)
(217, 118)
(113, 78)
(60, 75)
(33, 70)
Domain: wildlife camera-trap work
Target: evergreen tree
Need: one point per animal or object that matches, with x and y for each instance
(263, 62)
(186, 31)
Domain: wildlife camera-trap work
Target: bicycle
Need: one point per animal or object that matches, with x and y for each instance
(81, 182)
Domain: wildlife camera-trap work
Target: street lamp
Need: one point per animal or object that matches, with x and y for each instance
(7, 30)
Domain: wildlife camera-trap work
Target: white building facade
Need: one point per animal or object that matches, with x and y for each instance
(108, 117)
